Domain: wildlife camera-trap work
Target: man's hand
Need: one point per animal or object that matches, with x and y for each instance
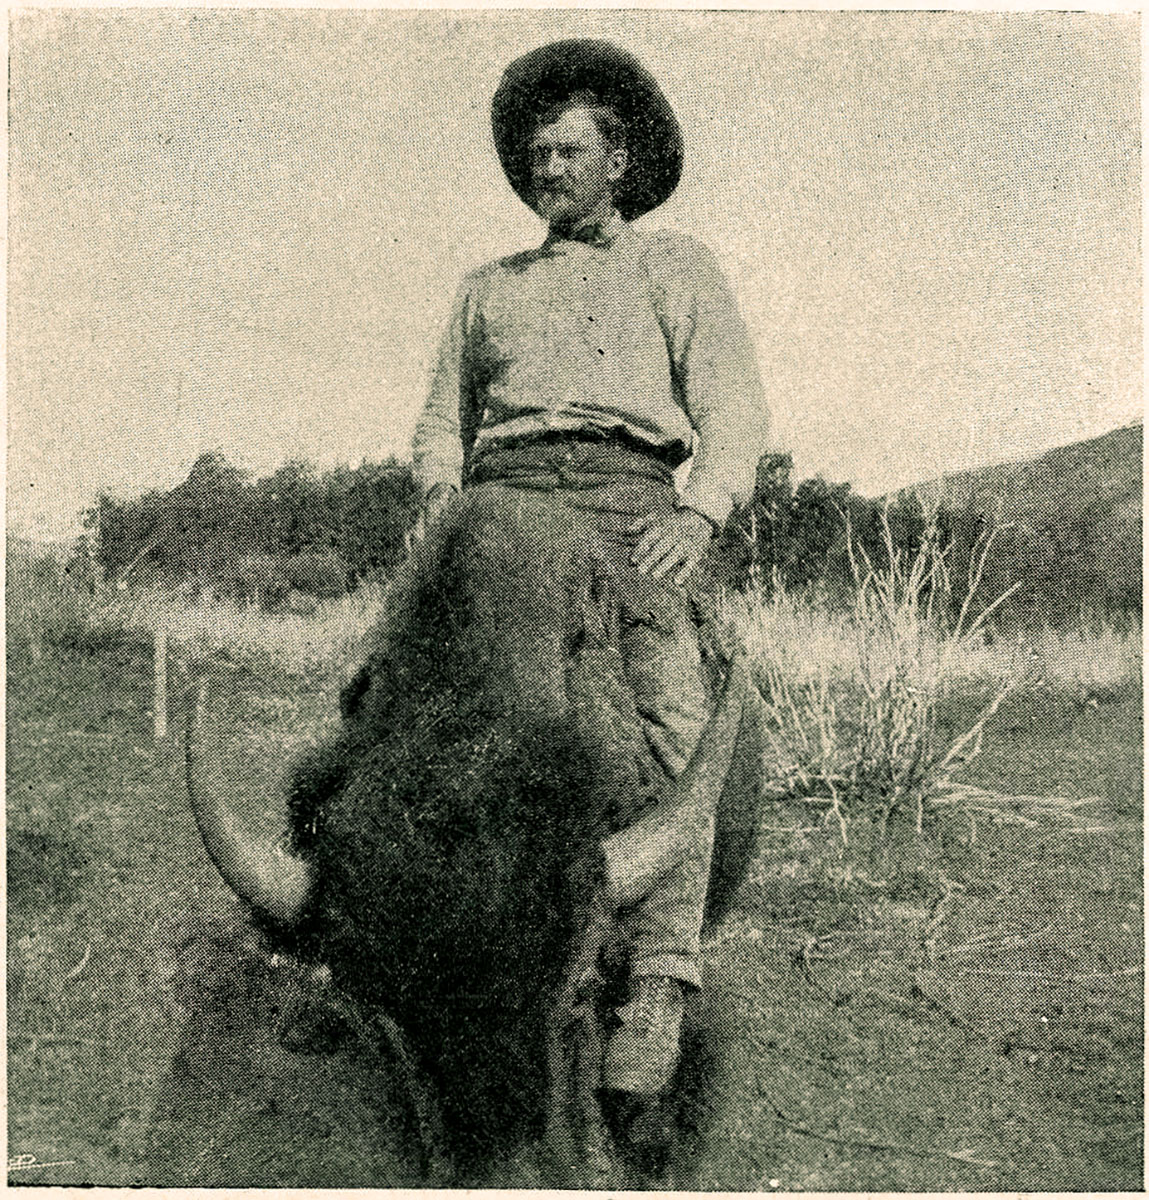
(672, 544)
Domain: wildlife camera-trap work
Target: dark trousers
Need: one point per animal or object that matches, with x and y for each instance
(609, 486)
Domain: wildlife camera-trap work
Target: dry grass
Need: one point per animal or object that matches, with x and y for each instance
(44, 611)
(325, 642)
(808, 641)
(854, 696)
(810, 644)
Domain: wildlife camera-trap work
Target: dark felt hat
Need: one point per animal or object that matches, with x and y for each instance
(536, 82)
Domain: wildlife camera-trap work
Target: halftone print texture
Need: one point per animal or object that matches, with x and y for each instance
(611, 793)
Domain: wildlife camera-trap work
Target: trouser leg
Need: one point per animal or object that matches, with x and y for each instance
(662, 663)
(665, 673)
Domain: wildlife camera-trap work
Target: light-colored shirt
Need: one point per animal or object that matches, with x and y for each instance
(637, 333)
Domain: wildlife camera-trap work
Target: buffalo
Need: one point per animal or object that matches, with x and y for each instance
(445, 852)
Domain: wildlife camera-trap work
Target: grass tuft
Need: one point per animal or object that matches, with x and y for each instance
(854, 695)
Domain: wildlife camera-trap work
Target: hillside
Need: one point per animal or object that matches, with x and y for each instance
(1107, 468)
(1071, 521)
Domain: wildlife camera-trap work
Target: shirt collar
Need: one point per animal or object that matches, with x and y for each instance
(595, 233)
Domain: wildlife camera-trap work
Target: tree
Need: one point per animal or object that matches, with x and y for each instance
(291, 511)
(374, 509)
(801, 537)
(294, 530)
(748, 547)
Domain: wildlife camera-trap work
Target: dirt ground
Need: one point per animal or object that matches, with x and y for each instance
(964, 1013)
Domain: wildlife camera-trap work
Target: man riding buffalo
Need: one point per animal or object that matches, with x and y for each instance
(579, 376)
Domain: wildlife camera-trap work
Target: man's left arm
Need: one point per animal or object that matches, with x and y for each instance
(448, 414)
(717, 382)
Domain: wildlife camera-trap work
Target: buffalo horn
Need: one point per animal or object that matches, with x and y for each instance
(639, 855)
(276, 884)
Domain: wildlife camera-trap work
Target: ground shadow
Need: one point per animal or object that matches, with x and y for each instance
(239, 1109)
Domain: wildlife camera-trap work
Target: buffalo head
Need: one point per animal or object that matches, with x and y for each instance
(478, 796)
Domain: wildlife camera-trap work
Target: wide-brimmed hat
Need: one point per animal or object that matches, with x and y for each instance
(541, 79)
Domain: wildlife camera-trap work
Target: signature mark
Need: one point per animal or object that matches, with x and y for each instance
(29, 1162)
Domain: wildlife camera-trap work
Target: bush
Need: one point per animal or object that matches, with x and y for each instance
(854, 715)
(46, 609)
(322, 574)
(800, 538)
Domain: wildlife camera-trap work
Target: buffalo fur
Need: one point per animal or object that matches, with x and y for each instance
(487, 746)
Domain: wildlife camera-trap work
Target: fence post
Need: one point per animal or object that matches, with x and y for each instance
(160, 700)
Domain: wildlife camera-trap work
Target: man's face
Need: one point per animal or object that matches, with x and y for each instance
(573, 170)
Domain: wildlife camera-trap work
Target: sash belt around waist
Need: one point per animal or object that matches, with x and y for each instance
(591, 451)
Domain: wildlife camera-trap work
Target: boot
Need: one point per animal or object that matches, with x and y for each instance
(642, 1053)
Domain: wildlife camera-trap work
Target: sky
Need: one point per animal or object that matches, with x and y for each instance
(241, 230)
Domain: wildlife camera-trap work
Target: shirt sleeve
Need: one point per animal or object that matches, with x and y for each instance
(715, 375)
(448, 417)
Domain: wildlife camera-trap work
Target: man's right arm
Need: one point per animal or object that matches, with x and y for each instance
(437, 446)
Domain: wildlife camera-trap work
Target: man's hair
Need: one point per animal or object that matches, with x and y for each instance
(606, 118)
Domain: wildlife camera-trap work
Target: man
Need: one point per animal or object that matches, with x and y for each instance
(587, 371)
